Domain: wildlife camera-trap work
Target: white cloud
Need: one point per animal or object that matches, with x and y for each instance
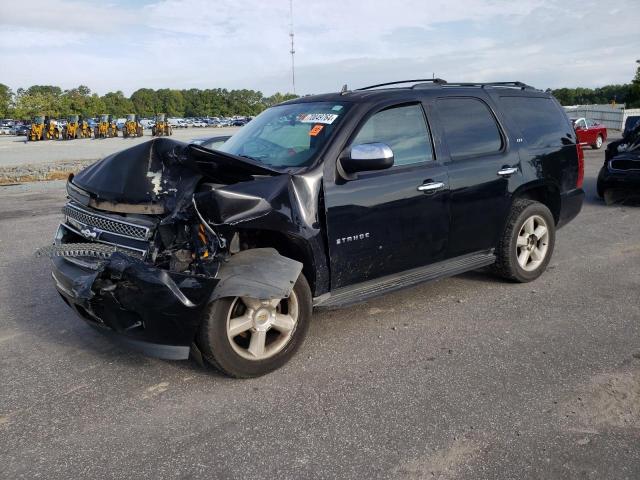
(244, 44)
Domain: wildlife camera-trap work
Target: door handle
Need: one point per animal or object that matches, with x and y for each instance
(430, 187)
(507, 171)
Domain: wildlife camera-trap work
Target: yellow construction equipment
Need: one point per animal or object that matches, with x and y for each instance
(132, 127)
(103, 127)
(51, 129)
(84, 130)
(161, 127)
(37, 128)
(71, 130)
(113, 126)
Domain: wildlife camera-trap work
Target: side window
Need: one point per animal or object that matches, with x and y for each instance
(469, 127)
(404, 129)
(540, 119)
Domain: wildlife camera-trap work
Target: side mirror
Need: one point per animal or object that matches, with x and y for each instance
(367, 156)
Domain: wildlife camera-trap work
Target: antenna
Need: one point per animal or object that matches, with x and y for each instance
(293, 50)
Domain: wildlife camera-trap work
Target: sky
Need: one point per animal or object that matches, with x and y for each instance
(128, 44)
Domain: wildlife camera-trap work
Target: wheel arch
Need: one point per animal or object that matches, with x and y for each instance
(314, 268)
(547, 194)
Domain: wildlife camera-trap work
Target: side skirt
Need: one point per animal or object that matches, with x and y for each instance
(372, 288)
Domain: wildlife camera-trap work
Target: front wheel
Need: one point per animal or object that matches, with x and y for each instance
(526, 246)
(245, 337)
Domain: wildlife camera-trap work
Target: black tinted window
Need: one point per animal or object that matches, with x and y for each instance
(540, 120)
(403, 129)
(469, 127)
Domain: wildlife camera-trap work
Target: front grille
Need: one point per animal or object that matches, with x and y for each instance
(106, 224)
(625, 164)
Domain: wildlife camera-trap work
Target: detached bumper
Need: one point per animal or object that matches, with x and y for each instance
(570, 206)
(140, 306)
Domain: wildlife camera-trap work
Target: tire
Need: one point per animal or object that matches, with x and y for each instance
(526, 218)
(599, 143)
(600, 183)
(232, 356)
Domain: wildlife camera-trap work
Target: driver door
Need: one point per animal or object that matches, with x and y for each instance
(384, 222)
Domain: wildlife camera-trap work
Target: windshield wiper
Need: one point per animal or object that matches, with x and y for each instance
(250, 158)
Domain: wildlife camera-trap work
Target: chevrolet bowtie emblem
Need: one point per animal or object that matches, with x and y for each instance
(89, 233)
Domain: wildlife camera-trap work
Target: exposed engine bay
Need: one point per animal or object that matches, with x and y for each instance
(177, 226)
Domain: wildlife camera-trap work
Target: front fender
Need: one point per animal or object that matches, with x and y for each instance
(260, 273)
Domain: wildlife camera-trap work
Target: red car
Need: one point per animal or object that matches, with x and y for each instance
(589, 132)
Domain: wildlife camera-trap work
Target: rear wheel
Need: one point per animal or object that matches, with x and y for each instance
(527, 243)
(599, 142)
(245, 337)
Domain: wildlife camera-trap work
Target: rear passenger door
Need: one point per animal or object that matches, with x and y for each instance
(482, 172)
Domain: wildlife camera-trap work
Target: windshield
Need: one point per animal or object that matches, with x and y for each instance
(104, 118)
(287, 135)
(39, 120)
(131, 118)
(73, 118)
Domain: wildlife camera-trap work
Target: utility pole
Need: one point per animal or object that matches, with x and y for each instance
(292, 51)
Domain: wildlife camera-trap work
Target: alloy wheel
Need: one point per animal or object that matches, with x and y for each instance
(532, 243)
(259, 329)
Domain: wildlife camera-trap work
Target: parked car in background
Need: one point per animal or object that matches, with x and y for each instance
(6, 130)
(240, 122)
(619, 177)
(630, 123)
(23, 130)
(147, 123)
(590, 132)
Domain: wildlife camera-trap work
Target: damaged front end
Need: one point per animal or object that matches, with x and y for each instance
(153, 234)
(619, 177)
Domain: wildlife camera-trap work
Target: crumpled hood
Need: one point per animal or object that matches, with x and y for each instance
(162, 172)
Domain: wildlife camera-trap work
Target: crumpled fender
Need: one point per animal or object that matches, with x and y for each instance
(260, 273)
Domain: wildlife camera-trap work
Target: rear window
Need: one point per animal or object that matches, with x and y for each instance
(540, 120)
(469, 127)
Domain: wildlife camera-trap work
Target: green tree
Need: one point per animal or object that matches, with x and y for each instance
(171, 102)
(6, 101)
(278, 97)
(145, 102)
(117, 104)
(634, 91)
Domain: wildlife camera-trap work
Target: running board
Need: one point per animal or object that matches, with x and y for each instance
(372, 288)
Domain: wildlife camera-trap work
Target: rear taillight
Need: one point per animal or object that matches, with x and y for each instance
(580, 179)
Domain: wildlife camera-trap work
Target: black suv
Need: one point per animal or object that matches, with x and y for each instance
(322, 201)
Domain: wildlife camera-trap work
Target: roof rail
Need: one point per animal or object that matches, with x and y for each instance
(419, 80)
(520, 85)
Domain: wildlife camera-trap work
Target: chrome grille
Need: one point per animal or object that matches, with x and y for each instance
(106, 224)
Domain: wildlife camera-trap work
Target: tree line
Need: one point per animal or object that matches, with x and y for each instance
(146, 102)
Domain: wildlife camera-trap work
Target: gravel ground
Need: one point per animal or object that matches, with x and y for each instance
(21, 160)
(466, 378)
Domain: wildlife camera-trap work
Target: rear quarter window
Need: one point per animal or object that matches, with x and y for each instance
(541, 121)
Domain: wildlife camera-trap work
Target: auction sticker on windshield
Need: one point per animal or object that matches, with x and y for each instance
(327, 118)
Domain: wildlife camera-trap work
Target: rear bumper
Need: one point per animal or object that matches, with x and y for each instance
(570, 206)
(139, 306)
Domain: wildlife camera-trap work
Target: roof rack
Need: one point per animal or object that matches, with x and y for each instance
(520, 85)
(438, 81)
